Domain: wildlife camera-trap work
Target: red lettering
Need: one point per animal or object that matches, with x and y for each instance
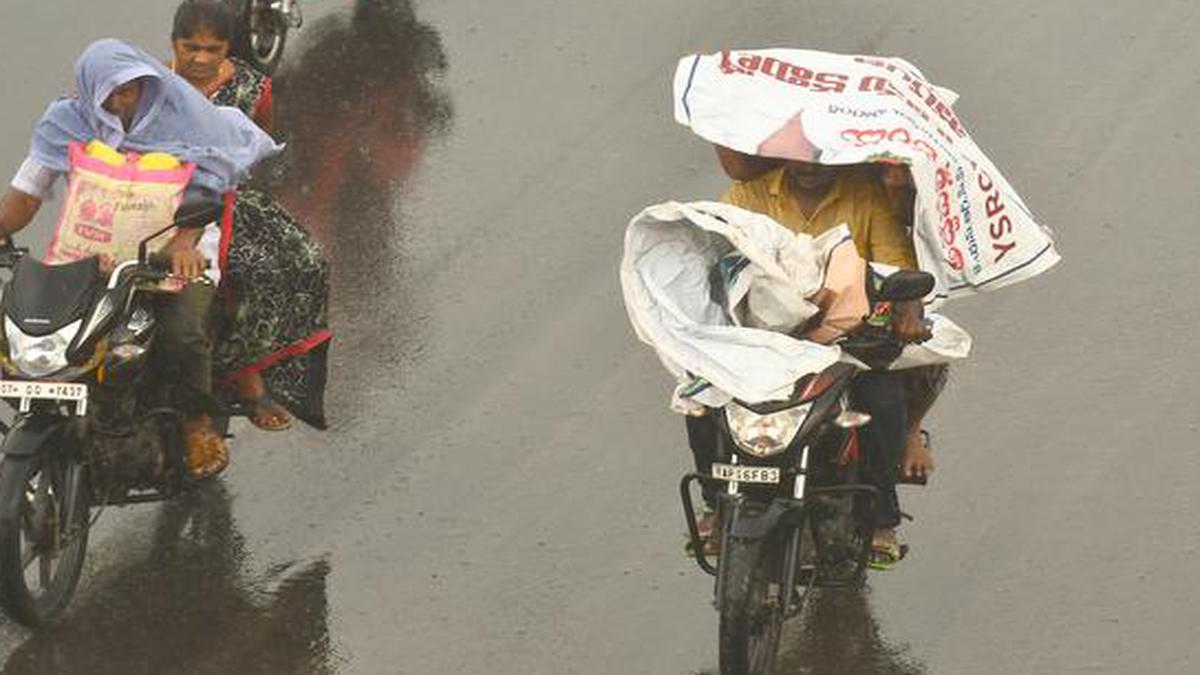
(985, 181)
(835, 82)
(749, 63)
(879, 85)
(925, 149)
(1003, 249)
(955, 258)
(994, 203)
(92, 233)
(801, 77)
(1000, 228)
(746, 65)
(950, 229)
(944, 177)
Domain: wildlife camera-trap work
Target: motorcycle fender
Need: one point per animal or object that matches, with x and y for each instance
(30, 434)
(760, 523)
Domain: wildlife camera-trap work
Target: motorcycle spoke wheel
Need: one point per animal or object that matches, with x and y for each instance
(43, 536)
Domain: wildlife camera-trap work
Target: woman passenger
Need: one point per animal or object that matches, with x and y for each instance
(276, 341)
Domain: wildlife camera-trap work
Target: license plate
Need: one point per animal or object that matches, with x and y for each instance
(746, 474)
(45, 391)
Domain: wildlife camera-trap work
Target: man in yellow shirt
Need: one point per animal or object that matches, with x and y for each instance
(811, 199)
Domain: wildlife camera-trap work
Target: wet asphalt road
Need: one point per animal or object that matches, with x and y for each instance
(497, 493)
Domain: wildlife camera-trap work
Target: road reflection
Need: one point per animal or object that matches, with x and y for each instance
(838, 635)
(189, 606)
(357, 105)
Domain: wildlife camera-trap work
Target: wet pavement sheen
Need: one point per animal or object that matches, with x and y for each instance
(497, 492)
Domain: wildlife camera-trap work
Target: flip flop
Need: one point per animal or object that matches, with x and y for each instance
(264, 409)
(207, 453)
(706, 526)
(884, 557)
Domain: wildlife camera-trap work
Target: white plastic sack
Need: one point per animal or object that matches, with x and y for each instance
(972, 231)
(678, 306)
(670, 252)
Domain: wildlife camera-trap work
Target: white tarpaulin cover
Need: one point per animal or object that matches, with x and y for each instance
(972, 231)
(682, 304)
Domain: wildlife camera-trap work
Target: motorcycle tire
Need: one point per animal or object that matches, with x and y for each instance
(47, 493)
(750, 623)
(261, 47)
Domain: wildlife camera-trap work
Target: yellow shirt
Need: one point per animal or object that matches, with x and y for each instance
(855, 200)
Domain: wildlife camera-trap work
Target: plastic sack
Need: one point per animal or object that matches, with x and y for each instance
(114, 201)
(689, 277)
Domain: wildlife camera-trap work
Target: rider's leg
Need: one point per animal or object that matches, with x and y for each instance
(923, 386)
(702, 437)
(185, 342)
(882, 395)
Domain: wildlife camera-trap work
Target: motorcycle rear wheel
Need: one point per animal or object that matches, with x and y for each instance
(44, 530)
(751, 617)
(262, 35)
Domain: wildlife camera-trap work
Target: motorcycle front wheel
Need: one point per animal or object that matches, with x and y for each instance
(751, 614)
(43, 536)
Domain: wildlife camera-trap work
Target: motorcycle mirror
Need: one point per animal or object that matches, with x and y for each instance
(906, 285)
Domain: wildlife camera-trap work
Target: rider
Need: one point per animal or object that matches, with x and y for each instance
(811, 199)
(127, 100)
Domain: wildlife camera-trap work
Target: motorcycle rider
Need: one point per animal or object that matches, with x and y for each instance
(129, 101)
(812, 198)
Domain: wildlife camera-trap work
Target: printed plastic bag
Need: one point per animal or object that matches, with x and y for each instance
(115, 201)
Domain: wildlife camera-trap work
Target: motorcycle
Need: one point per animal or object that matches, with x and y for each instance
(795, 504)
(263, 28)
(95, 424)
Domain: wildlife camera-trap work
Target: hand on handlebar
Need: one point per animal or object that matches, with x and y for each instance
(187, 263)
(908, 322)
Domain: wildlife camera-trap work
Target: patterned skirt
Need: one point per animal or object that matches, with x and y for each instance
(276, 283)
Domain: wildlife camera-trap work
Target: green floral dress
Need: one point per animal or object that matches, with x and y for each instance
(277, 280)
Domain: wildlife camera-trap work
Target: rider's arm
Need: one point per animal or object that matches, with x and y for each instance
(887, 240)
(890, 243)
(17, 210)
(32, 185)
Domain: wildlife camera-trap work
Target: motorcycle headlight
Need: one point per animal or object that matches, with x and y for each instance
(39, 356)
(765, 435)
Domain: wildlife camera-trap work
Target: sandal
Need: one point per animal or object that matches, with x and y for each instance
(886, 554)
(268, 415)
(207, 453)
(706, 527)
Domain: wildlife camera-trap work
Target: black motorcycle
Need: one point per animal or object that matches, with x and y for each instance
(96, 420)
(263, 26)
(795, 504)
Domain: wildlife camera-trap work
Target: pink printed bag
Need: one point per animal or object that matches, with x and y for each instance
(110, 208)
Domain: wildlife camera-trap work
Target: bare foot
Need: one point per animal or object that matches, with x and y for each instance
(917, 459)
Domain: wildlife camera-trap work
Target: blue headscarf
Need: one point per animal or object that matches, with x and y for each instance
(173, 116)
